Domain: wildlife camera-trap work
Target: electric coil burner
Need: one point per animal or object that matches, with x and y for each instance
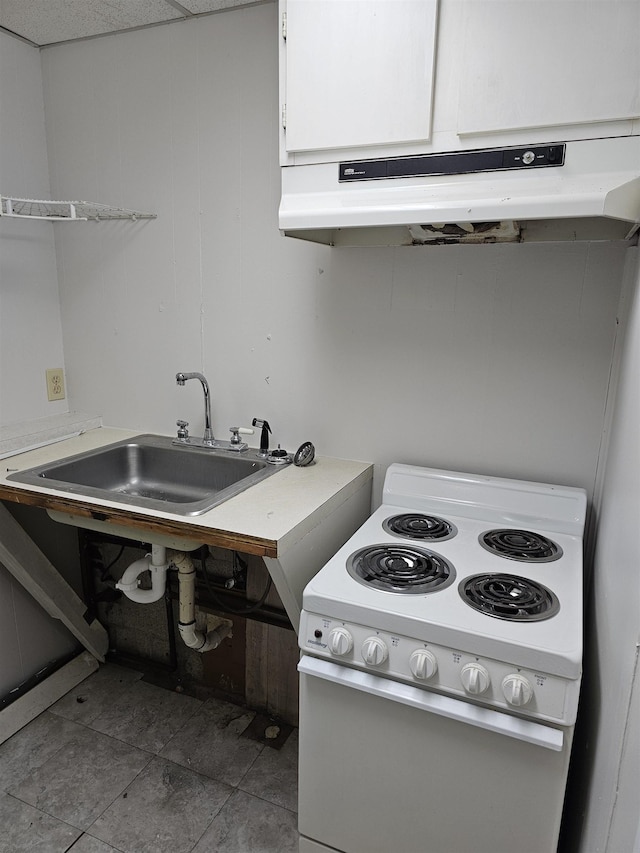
(422, 709)
(401, 569)
(522, 545)
(416, 525)
(509, 597)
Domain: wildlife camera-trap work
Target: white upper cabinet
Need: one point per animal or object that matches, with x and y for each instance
(377, 78)
(356, 73)
(546, 63)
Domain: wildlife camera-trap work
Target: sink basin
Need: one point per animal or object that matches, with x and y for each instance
(149, 471)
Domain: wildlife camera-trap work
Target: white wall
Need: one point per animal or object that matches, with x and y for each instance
(611, 718)
(492, 358)
(30, 329)
(30, 333)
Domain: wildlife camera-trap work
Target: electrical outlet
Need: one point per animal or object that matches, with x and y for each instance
(55, 383)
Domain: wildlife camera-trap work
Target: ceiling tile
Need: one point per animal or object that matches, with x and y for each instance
(49, 21)
(197, 7)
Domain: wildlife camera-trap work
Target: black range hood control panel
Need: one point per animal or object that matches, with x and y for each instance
(454, 163)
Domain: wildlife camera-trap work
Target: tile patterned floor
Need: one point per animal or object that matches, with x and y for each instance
(122, 766)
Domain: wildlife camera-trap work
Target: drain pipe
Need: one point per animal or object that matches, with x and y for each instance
(192, 637)
(155, 563)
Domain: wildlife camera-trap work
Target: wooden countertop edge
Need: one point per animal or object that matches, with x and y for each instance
(138, 521)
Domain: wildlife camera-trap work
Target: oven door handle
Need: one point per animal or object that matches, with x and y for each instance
(435, 703)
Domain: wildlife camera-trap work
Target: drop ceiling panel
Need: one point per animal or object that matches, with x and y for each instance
(50, 21)
(198, 7)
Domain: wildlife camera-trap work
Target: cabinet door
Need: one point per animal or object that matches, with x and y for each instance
(358, 72)
(542, 63)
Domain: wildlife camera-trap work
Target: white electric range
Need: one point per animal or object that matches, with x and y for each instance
(442, 652)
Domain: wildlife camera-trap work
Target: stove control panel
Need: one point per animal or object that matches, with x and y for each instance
(499, 684)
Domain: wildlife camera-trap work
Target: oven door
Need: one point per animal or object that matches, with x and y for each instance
(385, 766)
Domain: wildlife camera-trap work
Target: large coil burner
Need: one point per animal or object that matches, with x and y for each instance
(401, 568)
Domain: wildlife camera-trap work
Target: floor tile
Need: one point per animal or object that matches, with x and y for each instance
(248, 824)
(95, 694)
(33, 745)
(146, 716)
(165, 810)
(82, 778)
(70, 770)
(210, 742)
(274, 775)
(25, 829)
(88, 844)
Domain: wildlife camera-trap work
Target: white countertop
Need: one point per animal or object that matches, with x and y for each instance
(267, 519)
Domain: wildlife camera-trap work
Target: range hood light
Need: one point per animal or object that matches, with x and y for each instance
(466, 232)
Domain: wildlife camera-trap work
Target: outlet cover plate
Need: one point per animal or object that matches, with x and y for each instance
(55, 383)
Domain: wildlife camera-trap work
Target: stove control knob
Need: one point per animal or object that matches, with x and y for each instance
(517, 690)
(423, 664)
(475, 678)
(340, 641)
(374, 651)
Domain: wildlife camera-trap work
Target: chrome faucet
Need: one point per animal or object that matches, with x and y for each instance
(181, 378)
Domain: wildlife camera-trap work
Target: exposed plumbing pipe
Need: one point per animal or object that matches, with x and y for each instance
(155, 563)
(192, 637)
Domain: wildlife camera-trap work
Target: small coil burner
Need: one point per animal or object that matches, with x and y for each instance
(522, 545)
(400, 568)
(509, 597)
(415, 525)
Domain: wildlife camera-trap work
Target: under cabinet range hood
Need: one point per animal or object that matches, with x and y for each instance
(581, 190)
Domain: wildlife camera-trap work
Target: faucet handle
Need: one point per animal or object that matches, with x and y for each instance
(183, 432)
(237, 431)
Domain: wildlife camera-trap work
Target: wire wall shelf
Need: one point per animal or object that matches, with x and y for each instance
(66, 211)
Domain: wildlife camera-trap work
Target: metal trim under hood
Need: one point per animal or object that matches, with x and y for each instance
(593, 195)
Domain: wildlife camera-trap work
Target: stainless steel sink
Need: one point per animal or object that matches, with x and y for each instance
(149, 471)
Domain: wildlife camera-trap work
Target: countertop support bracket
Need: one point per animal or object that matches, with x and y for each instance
(25, 561)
